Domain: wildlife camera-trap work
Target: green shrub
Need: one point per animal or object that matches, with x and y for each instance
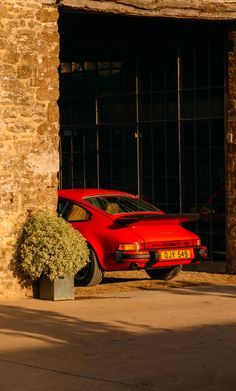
(49, 246)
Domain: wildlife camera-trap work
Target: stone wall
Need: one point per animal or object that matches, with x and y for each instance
(29, 120)
(231, 156)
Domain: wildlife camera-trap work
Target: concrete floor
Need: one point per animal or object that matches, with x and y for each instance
(175, 339)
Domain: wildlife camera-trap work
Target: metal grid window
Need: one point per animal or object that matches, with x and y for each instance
(150, 122)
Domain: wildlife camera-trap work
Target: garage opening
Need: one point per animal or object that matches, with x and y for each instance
(142, 110)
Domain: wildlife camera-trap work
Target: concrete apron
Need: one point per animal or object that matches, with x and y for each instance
(170, 339)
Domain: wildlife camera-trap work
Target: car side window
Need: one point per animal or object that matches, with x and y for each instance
(74, 212)
(61, 206)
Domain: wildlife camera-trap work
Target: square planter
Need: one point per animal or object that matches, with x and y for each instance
(59, 289)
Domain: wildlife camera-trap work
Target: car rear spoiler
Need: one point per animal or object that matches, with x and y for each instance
(180, 218)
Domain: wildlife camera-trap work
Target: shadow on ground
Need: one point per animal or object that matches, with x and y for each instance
(118, 349)
(202, 289)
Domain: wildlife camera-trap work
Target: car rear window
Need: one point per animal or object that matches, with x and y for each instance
(121, 204)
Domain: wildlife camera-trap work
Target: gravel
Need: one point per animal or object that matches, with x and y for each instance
(138, 280)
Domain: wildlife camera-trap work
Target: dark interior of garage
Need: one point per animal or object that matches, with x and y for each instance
(142, 110)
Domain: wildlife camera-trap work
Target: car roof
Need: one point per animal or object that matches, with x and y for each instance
(79, 194)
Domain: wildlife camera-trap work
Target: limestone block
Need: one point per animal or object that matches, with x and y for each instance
(191, 9)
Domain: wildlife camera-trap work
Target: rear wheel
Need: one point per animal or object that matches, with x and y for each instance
(91, 274)
(164, 274)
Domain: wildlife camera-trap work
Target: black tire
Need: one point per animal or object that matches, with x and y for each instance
(164, 274)
(91, 274)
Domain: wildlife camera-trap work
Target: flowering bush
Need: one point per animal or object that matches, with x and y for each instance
(51, 247)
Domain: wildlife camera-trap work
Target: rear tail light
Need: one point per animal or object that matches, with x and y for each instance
(130, 247)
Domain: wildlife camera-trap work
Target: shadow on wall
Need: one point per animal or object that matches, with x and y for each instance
(50, 350)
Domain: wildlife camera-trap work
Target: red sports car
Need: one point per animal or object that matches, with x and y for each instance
(124, 232)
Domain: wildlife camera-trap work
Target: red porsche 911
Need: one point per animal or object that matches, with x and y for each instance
(124, 232)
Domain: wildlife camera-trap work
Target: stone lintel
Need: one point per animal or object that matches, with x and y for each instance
(181, 9)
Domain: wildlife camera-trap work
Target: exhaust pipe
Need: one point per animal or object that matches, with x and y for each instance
(134, 266)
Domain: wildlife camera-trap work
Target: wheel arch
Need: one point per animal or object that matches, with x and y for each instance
(99, 254)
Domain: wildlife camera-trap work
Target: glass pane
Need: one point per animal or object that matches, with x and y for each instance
(147, 137)
(187, 49)
(173, 163)
(171, 75)
(188, 193)
(117, 109)
(76, 213)
(66, 165)
(104, 110)
(147, 194)
(217, 163)
(117, 164)
(202, 133)
(65, 113)
(145, 74)
(117, 136)
(159, 136)
(201, 49)
(128, 76)
(78, 141)
(171, 105)
(217, 132)
(65, 85)
(202, 156)
(186, 74)
(158, 106)
(83, 110)
(78, 166)
(90, 169)
(202, 103)
(77, 83)
(217, 102)
(160, 192)
(203, 190)
(66, 143)
(201, 79)
(172, 135)
(173, 194)
(160, 163)
(187, 134)
(145, 108)
(105, 139)
(158, 74)
(129, 108)
(217, 72)
(187, 104)
(188, 162)
(147, 166)
(217, 47)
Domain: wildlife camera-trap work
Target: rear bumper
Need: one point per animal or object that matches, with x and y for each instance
(149, 259)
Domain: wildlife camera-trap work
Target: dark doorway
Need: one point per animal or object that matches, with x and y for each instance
(142, 109)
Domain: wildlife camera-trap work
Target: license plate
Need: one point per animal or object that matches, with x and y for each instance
(182, 253)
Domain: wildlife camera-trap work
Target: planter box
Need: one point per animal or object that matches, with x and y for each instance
(59, 289)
